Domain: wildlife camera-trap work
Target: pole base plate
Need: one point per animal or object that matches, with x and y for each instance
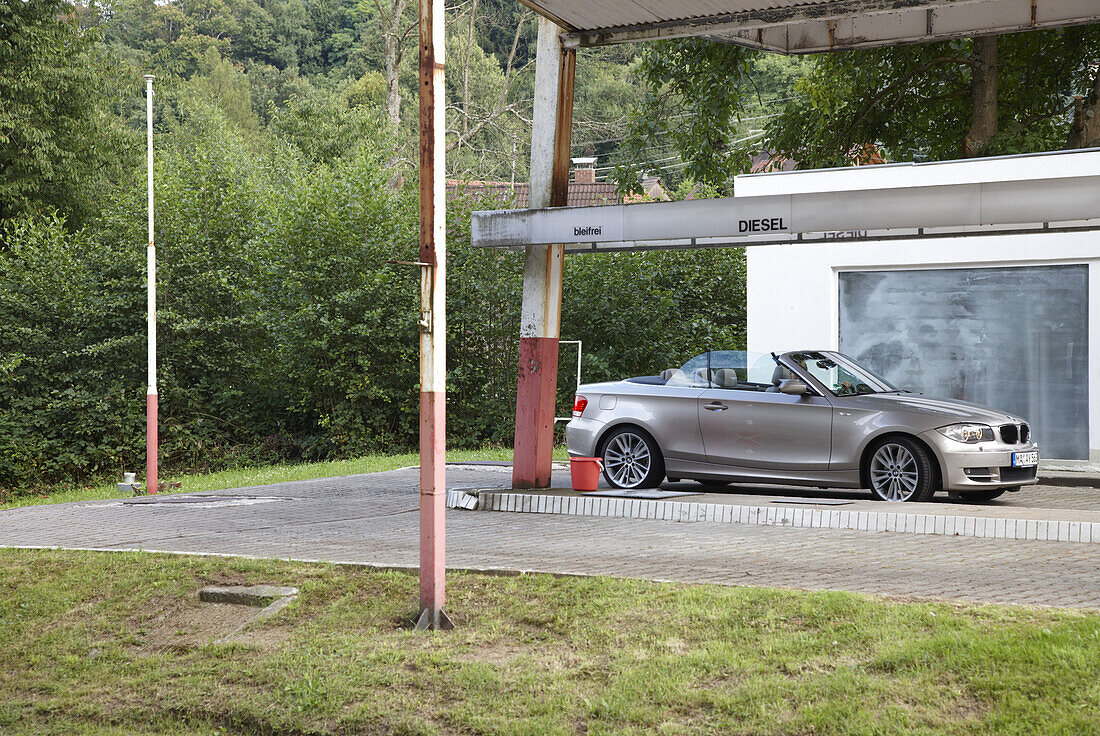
(434, 620)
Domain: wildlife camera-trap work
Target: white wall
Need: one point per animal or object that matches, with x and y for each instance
(793, 290)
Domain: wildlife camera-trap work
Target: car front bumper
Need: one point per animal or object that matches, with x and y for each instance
(981, 465)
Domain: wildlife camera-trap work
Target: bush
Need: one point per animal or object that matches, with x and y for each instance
(71, 398)
(285, 329)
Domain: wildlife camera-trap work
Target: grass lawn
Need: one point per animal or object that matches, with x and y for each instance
(100, 643)
(266, 474)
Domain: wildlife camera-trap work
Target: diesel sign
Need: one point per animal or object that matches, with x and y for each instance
(761, 226)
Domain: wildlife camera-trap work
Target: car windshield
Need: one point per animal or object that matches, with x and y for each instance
(725, 369)
(840, 374)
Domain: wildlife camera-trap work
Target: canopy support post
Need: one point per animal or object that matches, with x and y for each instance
(540, 324)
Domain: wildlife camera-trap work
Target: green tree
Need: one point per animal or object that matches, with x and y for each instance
(489, 99)
(59, 148)
(955, 99)
(226, 86)
(1014, 93)
(323, 127)
(294, 33)
(694, 92)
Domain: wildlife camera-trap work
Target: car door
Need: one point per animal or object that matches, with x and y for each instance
(673, 419)
(758, 429)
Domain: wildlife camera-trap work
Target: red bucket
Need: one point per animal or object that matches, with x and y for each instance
(585, 472)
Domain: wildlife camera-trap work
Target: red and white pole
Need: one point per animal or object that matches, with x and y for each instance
(433, 320)
(151, 439)
(540, 318)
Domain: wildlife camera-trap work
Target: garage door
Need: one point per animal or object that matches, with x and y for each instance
(1014, 339)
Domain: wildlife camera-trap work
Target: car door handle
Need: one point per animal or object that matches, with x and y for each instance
(715, 406)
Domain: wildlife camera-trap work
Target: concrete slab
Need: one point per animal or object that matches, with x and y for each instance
(245, 595)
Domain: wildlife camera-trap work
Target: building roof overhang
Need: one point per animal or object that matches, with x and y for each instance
(805, 26)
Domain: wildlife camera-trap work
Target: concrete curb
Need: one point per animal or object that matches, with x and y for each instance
(411, 569)
(805, 518)
(1070, 480)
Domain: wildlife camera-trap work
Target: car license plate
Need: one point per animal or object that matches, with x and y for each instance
(1025, 459)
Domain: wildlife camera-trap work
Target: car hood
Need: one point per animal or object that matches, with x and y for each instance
(947, 410)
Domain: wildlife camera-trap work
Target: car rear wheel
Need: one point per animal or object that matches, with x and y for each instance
(899, 470)
(631, 459)
(986, 494)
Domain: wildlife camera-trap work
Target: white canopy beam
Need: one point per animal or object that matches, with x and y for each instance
(738, 221)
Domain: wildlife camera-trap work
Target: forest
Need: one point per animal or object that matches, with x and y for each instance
(286, 191)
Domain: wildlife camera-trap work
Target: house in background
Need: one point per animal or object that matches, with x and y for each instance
(584, 190)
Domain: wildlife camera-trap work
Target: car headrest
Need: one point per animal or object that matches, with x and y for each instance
(725, 378)
(780, 374)
(668, 373)
(676, 377)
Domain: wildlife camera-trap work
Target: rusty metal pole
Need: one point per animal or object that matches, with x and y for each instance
(433, 320)
(540, 324)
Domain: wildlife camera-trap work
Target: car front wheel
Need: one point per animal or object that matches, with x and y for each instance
(900, 470)
(631, 459)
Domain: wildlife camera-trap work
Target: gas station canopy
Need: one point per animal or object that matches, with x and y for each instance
(804, 26)
(1057, 191)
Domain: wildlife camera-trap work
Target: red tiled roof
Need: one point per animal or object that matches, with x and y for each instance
(767, 162)
(861, 154)
(581, 195)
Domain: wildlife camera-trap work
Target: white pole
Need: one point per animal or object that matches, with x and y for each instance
(151, 308)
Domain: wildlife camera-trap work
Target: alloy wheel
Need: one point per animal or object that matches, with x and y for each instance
(627, 460)
(895, 474)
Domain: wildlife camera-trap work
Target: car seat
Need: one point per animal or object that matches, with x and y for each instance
(779, 375)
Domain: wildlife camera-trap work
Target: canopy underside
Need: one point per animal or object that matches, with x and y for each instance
(805, 26)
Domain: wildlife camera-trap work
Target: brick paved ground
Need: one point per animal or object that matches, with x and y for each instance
(372, 519)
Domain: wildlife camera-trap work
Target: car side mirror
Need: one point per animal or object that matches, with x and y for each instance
(794, 387)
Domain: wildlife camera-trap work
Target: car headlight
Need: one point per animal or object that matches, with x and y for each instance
(968, 433)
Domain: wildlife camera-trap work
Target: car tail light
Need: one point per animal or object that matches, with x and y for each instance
(578, 405)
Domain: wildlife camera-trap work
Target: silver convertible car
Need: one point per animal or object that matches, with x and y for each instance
(806, 417)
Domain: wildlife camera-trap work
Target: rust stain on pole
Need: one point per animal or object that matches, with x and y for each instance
(563, 130)
(433, 320)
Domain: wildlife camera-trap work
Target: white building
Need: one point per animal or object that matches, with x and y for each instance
(1005, 320)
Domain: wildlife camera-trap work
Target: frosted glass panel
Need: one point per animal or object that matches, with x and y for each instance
(1014, 339)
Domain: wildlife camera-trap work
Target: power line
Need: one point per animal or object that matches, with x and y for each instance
(753, 135)
(665, 132)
